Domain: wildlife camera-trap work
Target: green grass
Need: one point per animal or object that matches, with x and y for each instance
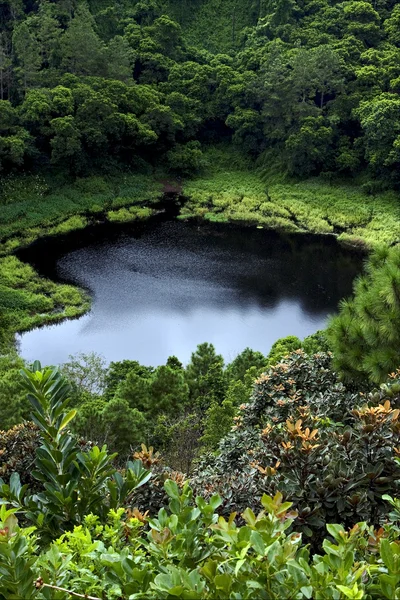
(30, 300)
(34, 206)
(229, 193)
(133, 213)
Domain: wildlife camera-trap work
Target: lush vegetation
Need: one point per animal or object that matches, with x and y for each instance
(230, 191)
(92, 85)
(75, 528)
(101, 105)
(90, 93)
(273, 476)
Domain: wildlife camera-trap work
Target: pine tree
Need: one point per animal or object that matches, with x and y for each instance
(365, 336)
(26, 50)
(82, 49)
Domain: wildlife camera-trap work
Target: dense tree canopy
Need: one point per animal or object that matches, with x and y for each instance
(94, 85)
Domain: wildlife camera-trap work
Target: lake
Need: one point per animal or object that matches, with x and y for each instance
(163, 287)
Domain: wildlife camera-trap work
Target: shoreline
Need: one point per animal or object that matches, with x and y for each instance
(43, 302)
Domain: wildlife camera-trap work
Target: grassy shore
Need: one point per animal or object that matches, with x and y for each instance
(34, 206)
(227, 193)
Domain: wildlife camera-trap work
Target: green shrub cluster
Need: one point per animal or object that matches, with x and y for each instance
(329, 449)
(224, 194)
(83, 535)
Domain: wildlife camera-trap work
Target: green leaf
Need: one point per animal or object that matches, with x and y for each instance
(71, 415)
(223, 582)
(257, 542)
(387, 554)
(172, 489)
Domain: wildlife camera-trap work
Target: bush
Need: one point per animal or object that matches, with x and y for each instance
(328, 449)
(189, 551)
(17, 452)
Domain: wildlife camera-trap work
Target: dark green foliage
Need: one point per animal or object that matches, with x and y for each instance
(17, 450)
(197, 371)
(236, 370)
(118, 372)
(72, 481)
(305, 434)
(365, 336)
(94, 85)
(124, 427)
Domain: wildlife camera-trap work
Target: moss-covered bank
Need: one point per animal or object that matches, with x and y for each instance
(228, 193)
(34, 206)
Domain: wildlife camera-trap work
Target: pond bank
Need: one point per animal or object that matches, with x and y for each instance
(162, 287)
(225, 196)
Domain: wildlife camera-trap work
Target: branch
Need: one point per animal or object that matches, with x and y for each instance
(39, 583)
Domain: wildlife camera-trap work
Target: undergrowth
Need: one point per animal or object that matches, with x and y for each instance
(34, 206)
(30, 300)
(230, 191)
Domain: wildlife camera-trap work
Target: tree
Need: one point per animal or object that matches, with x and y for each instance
(125, 426)
(365, 336)
(81, 48)
(236, 370)
(186, 159)
(169, 392)
(381, 127)
(200, 363)
(218, 423)
(136, 391)
(86, 372)
(5, 66)
(118, 372)
(174, 363)
(120, 59)
(311, 147)
(89, 422)
(14, 140)
(27, 52)
(66, 147)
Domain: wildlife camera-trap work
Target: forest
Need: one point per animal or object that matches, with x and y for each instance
(273, 476)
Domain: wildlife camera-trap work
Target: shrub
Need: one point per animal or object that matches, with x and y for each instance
(73, 481)
(189, 551)
(17, 452)
(330, 450)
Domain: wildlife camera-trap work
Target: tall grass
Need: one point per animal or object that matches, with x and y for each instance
(229, 191)
(30, 300)
(33, 206)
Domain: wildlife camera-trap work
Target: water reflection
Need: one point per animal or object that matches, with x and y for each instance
(165, 289)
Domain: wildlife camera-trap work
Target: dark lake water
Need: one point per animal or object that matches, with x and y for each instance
(168, 286)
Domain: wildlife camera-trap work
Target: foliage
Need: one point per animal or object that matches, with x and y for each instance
(365, 335)
(13, 403)
(190, 551)
(86, 372)
(331, 450)
(30, 301)
(73, 481)
(232, 193)
(17, 451)
(282, 348)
